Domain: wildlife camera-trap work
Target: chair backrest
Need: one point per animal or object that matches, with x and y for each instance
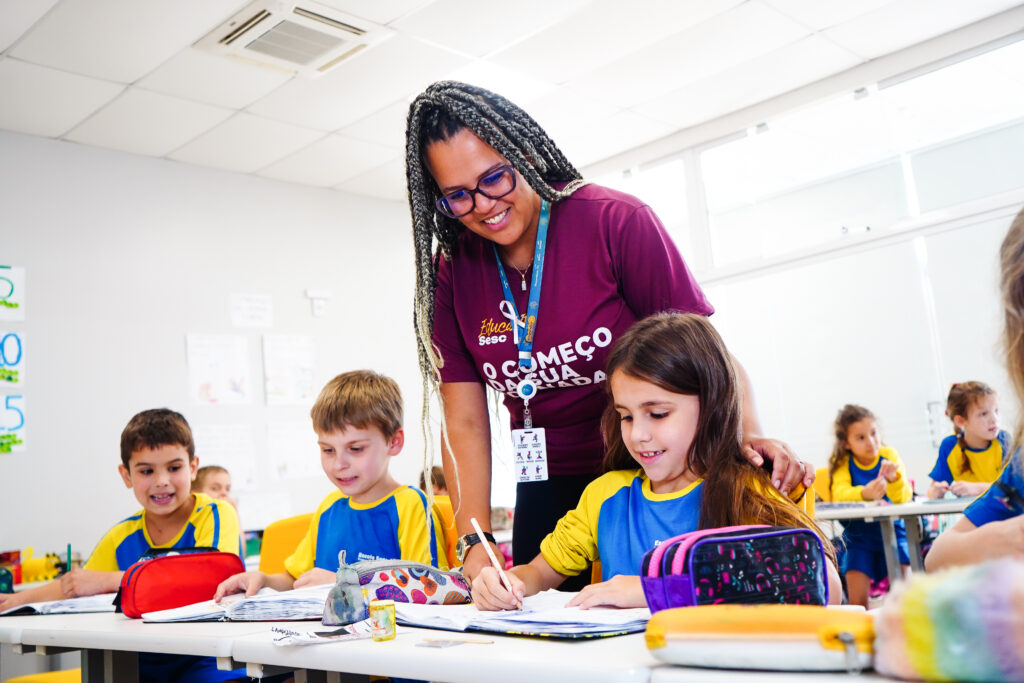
(280, 539)
(821, 484)
(443, 506)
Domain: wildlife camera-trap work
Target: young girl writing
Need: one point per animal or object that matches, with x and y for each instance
(862, 469)
(992, 526)
(970, 459)
(675, 412)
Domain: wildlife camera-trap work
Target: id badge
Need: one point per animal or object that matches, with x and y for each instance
(530, 454)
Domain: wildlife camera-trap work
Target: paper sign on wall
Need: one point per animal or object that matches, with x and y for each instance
(230, 446)
(12, 423)
(251, 310)
(12, 293)
(218, 368)
(12, 359)
(288, 369)
(294, 453)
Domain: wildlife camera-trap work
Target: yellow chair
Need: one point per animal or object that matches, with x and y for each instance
(821, 484)
(68, 676)
(443, 508)
(280, 539)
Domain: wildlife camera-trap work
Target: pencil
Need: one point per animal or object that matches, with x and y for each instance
(494, 561)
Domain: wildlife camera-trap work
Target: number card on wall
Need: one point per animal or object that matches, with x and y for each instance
(12, 423)
(12, 360)
(12, 293)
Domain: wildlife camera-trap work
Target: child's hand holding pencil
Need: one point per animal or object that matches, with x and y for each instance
(493, 589)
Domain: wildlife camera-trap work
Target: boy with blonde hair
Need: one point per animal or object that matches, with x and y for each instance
(358, 422)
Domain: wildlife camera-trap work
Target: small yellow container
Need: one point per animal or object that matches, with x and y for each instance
(382, 619)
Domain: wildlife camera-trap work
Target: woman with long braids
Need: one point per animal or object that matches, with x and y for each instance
(499, 214)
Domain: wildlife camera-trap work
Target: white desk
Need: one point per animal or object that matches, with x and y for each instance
(507, 660)
(886, 514)
(678, 674)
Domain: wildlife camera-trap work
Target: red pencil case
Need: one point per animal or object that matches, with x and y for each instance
(175, 579)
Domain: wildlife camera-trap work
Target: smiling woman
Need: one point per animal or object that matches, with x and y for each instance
(495, 204)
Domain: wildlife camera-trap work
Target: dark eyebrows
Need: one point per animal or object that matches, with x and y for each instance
(170, 462)
(492, 169)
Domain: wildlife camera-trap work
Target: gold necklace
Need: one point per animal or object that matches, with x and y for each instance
(522, 273)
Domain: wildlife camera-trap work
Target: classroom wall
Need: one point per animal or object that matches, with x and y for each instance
(124, 255)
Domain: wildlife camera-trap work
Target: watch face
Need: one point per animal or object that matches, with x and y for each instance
(463, 545)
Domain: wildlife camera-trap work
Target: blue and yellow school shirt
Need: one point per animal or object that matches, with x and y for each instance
(618, 519)
(1004, 498)
(985, 463)
(392, 528)
(213, 524)
(849, 480)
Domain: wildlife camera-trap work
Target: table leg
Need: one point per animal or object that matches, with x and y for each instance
(914, 542)
(109, 666)
(892, 558)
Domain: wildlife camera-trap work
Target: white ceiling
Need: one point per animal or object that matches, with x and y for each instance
(602, 76)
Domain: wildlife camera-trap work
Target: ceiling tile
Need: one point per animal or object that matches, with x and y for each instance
(384, 182)
(119, 40)
(599, 139)
(246, 143)
(378, 11)
(462, 26)
(790, 67)
(47, 102)
(214, 79)
(390, 71)
(907, 22)
(330, 161)
(821, 14)
(385, 127)
(144, 122)
(18, 17)
(513, 85)
(737, 36)
(604, 31)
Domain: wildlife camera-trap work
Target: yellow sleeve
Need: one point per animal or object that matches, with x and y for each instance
(572, 546)
(304, 557)
(842, 487)
(217, 526)
(899, 491)
(414, 537)
(104, 557)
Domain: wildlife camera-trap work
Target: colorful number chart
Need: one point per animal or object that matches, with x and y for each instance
(12, 361)
(12, 293)
(12, 423)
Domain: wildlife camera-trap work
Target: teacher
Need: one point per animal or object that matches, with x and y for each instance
(534, 276)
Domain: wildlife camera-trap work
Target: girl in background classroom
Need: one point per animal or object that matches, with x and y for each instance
(992, 525)
(970, 459)
(215, 481)
(862, 469)
(674, 464)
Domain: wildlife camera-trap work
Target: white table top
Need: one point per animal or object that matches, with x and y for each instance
(508, 659)
(679, 674)
(873, 510)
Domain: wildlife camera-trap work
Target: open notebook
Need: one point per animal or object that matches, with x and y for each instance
(91, 603)
(544, 614)
(267, 605)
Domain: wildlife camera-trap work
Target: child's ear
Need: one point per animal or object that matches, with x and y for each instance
(126, 476)
(193, 464)
(396, 443)
(959, 422)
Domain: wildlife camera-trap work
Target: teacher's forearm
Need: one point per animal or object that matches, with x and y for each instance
(467, 453)
(750, 425)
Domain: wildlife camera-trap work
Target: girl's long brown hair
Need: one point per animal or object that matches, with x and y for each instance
(682, 353)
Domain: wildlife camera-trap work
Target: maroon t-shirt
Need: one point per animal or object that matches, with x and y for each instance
(609, 262)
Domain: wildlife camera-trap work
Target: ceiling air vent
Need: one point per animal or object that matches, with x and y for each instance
(303, 37)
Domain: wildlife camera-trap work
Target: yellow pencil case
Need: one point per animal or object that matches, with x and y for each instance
(767, 637)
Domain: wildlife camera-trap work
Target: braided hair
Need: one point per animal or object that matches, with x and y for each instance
(438, 113)
(963, 395)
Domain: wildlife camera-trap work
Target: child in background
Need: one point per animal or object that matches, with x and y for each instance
(992, 525)
(158, 463)
(862, 469)
(970, 459)
(675, 465)
(214, 481)
(358, 422)
(437, 481)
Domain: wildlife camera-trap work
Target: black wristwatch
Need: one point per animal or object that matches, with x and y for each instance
(466, 542)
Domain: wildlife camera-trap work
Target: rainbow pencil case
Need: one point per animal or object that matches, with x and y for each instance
(737, 564)
(766, 637)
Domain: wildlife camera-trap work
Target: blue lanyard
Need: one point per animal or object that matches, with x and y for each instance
(525, 343)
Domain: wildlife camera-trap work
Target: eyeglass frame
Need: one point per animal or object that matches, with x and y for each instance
(445, 209)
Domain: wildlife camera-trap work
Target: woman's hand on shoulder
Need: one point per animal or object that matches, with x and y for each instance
(618, 591)
(787, 470)
(314, 577)
(489, 594)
